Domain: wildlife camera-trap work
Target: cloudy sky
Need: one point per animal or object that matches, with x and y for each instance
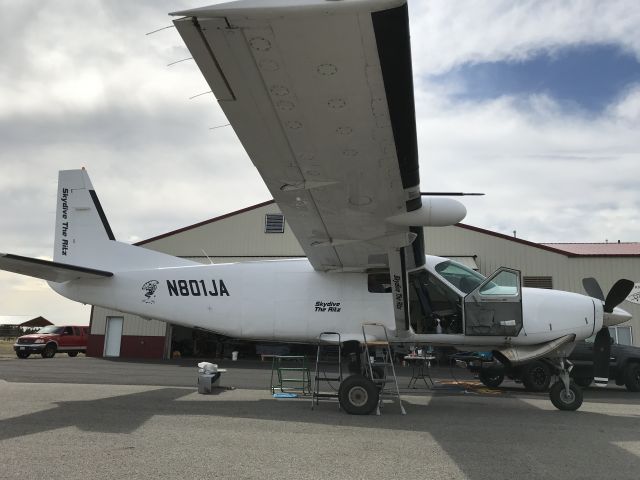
(535, 103)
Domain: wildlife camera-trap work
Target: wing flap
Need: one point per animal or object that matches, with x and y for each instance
(48, 270)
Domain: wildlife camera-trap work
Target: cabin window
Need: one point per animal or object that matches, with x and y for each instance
(379, 283)
(274, 223)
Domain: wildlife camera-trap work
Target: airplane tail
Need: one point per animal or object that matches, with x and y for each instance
(84, 237)
(85, 246)
(82, 227)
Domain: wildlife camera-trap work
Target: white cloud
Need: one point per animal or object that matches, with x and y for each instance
(446, 34)
(628, 108)
(552, 176)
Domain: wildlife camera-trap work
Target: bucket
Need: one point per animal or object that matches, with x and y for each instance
(234, 356)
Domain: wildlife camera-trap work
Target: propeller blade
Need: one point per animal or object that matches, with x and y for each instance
(620, 290)
(601, 354)
(592, 287)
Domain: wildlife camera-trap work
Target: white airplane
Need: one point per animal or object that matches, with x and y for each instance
(320, 94)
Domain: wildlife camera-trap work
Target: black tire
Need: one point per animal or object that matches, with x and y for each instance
(358, 395)
(72, 354)
(583, 382)
(535, 376)
(353, 367)
(632, 377)
(20, 354)
(491, 380)
(378, 373)
(565, 401)
(49, 351)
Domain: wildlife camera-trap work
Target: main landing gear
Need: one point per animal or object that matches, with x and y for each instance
(564, 394)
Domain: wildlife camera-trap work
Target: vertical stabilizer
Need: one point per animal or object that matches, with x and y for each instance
(81, 225)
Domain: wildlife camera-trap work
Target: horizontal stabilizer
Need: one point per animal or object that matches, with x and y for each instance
(47, 270)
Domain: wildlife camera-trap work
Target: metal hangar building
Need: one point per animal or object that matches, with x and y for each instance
(260, 232)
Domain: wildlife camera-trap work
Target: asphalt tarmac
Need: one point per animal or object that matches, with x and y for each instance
(94, 418)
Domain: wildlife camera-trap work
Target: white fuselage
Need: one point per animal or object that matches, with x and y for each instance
(287, 300)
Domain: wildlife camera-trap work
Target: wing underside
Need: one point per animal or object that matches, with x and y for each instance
(320, 94)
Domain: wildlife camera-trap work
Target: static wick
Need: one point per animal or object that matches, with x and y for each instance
(160, 29)
(220, 126)
(199, 95)
(178, 61)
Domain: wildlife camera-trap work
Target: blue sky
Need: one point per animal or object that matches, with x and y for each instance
(584, 77)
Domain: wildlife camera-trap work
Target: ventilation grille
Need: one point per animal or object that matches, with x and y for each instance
(537, 282)
(274, 223)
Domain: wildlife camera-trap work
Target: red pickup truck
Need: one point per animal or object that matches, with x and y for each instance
(53, 339)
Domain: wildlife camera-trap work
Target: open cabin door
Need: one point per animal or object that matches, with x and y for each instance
(495, 306)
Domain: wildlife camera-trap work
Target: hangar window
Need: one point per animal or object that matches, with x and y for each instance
(274, 223)
(621, 335)
(537, 282)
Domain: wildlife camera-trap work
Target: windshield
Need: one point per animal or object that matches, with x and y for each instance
(461, 277)
(51, 329)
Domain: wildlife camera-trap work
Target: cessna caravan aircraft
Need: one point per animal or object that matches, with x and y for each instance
(320, 94)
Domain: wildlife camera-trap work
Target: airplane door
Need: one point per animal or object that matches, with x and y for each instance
(494, 308)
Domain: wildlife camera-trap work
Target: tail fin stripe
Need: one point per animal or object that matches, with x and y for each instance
(103, 217)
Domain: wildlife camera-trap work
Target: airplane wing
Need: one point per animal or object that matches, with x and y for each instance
(47, 270)
(320, 93)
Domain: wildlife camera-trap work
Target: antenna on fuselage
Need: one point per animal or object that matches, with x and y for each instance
(208, 257)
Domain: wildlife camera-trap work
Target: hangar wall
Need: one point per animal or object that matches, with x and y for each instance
(240, 236)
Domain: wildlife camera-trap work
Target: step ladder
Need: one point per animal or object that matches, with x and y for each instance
(290, 374)
(388, 369)
(328, 343)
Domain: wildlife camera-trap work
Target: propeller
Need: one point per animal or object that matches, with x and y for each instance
(620, 290)
(602, 345)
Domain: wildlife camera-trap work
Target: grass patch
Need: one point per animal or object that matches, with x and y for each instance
(6, 347)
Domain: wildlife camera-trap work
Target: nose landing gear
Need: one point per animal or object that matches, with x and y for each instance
(564, 394)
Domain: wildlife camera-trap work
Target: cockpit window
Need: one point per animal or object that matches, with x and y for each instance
(463, 278)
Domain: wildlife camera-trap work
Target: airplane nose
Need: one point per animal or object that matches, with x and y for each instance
(616, 317)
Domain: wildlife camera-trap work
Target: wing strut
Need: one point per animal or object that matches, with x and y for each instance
(398, 273)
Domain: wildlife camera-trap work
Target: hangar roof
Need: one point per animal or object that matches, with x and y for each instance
(619, 248)
(627, 249)
(24, 321)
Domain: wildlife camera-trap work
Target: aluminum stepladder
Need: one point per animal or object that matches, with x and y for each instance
(386, 364)
(291, 374)
(326, 340)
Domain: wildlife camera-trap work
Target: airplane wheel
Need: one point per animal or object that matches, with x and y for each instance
(378, 373)
(358, 395)
(563, 399)
(583, 382)
(491, 380)
(632, 377)
(536, 377)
